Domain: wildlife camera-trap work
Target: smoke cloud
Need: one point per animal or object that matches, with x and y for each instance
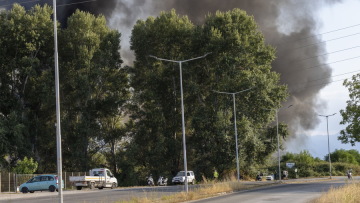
(286, 24)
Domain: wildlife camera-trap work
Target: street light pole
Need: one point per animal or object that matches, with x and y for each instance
(327, 128)
(278, 139)
(57, 92)
(182, 109)
(236, 136)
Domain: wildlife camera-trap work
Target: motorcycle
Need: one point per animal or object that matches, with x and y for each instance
(349, 175)
(258, 178)
(162, 181)
(150, 181)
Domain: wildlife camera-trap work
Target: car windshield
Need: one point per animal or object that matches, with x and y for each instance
(181, 173)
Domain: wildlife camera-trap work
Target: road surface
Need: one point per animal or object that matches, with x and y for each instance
(293, 192)
(298, 191)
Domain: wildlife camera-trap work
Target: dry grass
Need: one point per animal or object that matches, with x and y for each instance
(346, 194)
(207, 189)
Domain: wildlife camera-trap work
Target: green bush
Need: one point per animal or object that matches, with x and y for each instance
(26, 166)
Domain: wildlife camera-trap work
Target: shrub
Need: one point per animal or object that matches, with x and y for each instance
(26, 166)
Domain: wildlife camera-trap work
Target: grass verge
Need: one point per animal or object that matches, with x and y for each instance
(208, 189)
(346, 194)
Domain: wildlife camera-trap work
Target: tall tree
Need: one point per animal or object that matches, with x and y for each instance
(240, 59)
(95, 87)
(25, 77)
(351, 114)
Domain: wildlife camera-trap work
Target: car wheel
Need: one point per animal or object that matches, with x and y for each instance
(52, 188)
(31, 191)
(24, 190)
(100, 188)
(92, 186)
(78, 187)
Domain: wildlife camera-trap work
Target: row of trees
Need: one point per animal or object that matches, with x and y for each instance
(94, 88)
(308, 166)
(128, 118)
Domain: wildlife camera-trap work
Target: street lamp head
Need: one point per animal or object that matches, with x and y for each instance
(207, 54)
(153, 56)
(327, 115)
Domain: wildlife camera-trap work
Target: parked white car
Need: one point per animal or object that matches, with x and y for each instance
(270, 177)
(180, 177)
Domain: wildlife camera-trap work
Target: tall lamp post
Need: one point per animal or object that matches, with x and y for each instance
(236, 137)
(327, 128)
(182, 108)
(57, 92)
(278, 139)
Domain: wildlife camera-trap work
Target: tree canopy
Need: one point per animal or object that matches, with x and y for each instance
(239, 60)
(351, 114)
(94, 87)
(128, 118)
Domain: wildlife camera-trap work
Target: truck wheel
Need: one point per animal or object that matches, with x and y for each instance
(193, 182)
(92, 186)
(113, 186)
(78, 187)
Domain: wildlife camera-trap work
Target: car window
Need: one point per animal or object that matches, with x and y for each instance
(108, 173)
(51, 178)
(181, 173)
(36, 179)
(44, 178)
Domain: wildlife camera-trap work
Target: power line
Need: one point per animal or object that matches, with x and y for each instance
(33, 1)
(335, 76)
(328, 53)
(321, 84)
(315, 35)
(323, 64)
(308, 45)
(76, 3)
(25, 2)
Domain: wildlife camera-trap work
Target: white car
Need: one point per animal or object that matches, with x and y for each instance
(180, 177)
(270, 177)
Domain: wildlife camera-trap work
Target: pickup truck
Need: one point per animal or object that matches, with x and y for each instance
(99, 178)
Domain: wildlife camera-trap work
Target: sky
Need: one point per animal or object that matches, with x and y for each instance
(340, 31)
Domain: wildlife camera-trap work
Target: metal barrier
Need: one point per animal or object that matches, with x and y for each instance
(10, 182)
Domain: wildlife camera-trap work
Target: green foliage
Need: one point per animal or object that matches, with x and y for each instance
(240, 59)
(309, 166)
(26, 166)
(93, 88)
(345, 156)
(351, 114)
(26, 39)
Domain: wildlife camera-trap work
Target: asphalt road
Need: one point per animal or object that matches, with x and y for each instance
(294, 192)
(289, 191)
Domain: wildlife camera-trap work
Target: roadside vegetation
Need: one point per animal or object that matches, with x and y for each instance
(345, 194)
(207, 189)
